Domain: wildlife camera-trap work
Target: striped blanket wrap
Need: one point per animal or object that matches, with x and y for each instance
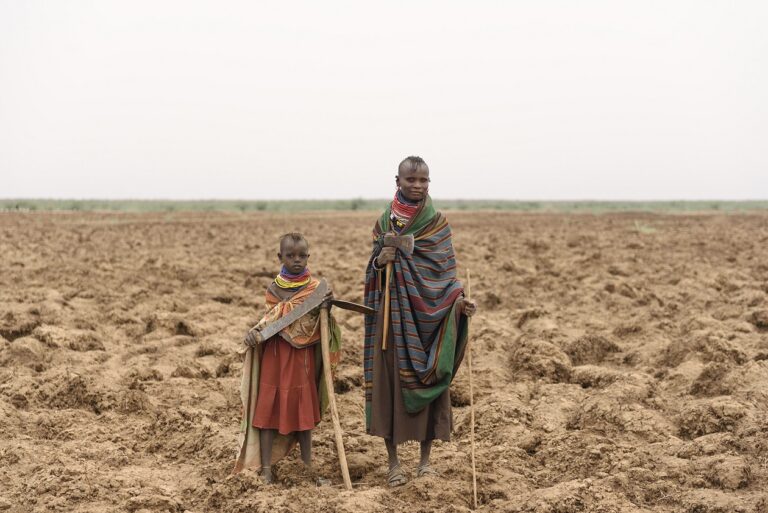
(429, 333)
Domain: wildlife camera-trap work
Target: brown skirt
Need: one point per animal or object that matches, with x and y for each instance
(287, 398)
(389, 419)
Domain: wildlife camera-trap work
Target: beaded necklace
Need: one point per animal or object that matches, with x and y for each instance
(286, 280)
(402, 211)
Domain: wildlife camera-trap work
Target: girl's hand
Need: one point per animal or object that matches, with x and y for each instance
(327, 299)
(253, 338)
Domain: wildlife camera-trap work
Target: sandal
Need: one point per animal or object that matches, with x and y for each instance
(425, 470)
(396, 477)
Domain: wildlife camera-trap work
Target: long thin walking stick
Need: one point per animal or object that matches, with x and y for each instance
(326, 350)
(471, 397)
(385, 332)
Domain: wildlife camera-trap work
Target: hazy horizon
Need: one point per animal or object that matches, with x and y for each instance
(545, 101)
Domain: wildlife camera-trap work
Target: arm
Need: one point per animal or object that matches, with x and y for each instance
(380, 255)
(465, 306)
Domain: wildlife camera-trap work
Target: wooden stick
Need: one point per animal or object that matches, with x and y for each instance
(471, 397)
(326, 350)
(385, 332)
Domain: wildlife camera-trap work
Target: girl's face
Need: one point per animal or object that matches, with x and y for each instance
(413, 183)
(294, 255)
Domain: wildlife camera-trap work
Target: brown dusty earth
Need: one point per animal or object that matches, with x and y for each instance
(620, 365)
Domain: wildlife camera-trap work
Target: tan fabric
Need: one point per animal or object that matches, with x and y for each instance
(249, 447)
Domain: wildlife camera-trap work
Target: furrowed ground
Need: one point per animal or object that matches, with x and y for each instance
(620, 364)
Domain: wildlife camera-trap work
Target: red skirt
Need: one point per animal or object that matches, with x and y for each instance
(287, 398)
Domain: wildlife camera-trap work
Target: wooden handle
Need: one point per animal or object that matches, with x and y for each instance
(471, 395)
(386, 320)
(326, 350)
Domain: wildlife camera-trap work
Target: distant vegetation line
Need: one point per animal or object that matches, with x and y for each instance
(372, 204)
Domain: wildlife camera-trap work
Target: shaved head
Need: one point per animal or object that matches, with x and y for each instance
(412, 163)
(294, 237)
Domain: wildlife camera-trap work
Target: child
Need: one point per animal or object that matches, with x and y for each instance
(282, 391)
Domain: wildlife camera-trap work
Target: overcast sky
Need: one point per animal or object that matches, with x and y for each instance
(516, 100)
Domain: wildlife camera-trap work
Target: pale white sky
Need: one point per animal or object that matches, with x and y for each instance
(530, 99)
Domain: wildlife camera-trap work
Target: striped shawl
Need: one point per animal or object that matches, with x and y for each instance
(429, 333)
